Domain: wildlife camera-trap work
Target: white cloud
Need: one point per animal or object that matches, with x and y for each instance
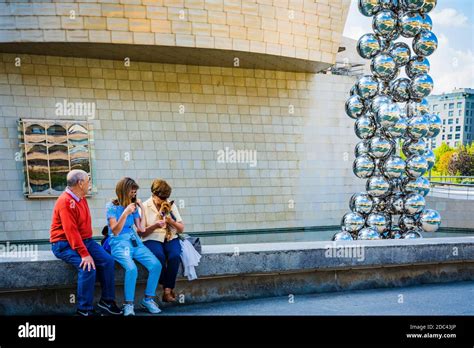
(449, 17)
(451, 68)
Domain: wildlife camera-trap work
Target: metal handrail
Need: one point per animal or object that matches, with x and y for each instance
(446, 189)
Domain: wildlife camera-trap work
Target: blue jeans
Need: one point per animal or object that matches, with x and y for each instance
(124, 253)
(169, 254)
(104, 264)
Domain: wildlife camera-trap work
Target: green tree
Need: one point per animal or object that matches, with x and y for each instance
(443, 163)
(438, 152)
(461, 162)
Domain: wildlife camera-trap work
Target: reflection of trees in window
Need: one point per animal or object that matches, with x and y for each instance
(52, 149)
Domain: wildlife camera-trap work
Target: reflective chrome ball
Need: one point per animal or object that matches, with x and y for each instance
(400, 52)
(361, 203)
(427, 23)
(410, 24)
(352, 222)
(367, 86)
(394, 167)
(362, 148)
(429, 220)
(378, 221)
(378, 186)
(342, 236)
(383, 66)
(416, 166)
(365, 127)
(385, 23)
(417, 108)
(368, 46)
(388, 114)
(363, 166)
(421, 86)
(369, 7)
(354, 106)
(428, 6)
(417, 66)
(407, 222)
(412, 5)
(430, 158)
(414, 204)
(417, 127)
(368, 233)
(396, 203)
(398, 130)
(380, 147)
(435, 126)
(400, 89)
(420, 185)
(378, 101)
(425, 43)
(412, 234)
(414, 147)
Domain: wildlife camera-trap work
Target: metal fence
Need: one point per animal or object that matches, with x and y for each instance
(455, 187)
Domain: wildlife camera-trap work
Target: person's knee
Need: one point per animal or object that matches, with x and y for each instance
(131, 269)
(155, 266)
(174, 257)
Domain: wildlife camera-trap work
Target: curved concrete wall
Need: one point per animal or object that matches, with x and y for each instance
(307, 30)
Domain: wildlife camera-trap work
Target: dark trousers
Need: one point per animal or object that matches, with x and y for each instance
(104, 264)
(169, 254)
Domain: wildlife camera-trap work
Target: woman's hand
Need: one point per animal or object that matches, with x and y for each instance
(160, 224)
(130, 209)
(139, 203)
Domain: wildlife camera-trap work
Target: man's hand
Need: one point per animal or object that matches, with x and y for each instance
(87, 262)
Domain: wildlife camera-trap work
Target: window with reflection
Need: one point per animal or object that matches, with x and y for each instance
(50, 150)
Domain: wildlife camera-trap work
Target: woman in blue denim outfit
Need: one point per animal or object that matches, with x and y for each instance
(126, 246)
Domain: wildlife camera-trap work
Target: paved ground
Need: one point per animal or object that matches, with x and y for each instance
(436, 299)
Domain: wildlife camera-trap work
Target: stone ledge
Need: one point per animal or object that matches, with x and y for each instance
(257, 259)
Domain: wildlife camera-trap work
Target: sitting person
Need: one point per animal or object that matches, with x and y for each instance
(162, 223)
(105, 242)
(71, 238)
(126, 246)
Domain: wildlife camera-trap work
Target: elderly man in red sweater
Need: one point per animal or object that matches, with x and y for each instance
(71, 238)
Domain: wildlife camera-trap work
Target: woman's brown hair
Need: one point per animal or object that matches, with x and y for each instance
(122, 190)
(161, 189)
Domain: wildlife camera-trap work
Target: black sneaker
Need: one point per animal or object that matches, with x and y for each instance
(110, 306)
(87, 313)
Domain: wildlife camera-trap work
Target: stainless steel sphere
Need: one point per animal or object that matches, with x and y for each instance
(361, 203)
(425, 43)
(417, 108)
(342, 236)
(378, 186)
(428, 6)
(354, 106)
(394, 167)
(369, 7)
(407, 222)
(388, 114)
(430, 158)
(421, 86)
(417, 66)
(429, 220)
(414, 204)
(385, 23)
(380, 204)
(395, 233)
(414, 147)
(363, 166)
(365, 127)
(368, 233)
(416, 166)
(362, 148)
(352, 222)
(380, 147)
(367, 87)
(435, 126)
(400, 89)
(412, 234)
(378, 221)
(412, 5)
(420, 185)
(427, 23)
(368, 46)
(396, 203)
(417, 127)
(398, 130)
(400, 52)
(383, 66)
(378, 101)
(410, 24)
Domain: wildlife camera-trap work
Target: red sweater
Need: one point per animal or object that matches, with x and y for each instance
(72, 222)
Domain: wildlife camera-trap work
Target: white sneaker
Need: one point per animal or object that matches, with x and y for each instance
(128, 309)
(151, 306)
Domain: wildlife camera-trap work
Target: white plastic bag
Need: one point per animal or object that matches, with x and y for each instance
(190, 258)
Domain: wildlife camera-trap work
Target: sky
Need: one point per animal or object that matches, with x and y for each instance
(452, 64)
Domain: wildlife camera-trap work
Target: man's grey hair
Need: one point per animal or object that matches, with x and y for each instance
(74, 176)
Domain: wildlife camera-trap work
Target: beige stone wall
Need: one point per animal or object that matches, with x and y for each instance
(295, 121)
(303, 29)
